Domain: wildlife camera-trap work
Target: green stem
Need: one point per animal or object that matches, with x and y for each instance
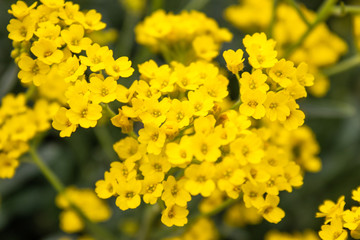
(106, 141)
(107, 108)
(236, 105)
(298, 10)
(126, 40)
(133, 135)
(49, 175)
(342, 10)
(343, 66)
(30, 92)
(323, 13)
(97, 231)
(273, 19)
(151, 212)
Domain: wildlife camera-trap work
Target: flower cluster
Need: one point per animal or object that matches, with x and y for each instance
(86, 200)
(184, 37)
(338, 220)
(54, 54)
(320, 49)
(19, 124)
(184, 140)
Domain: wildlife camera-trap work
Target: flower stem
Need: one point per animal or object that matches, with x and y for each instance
(343, 66)
(323, 13)
(345, 9)
(273, 19)
(97, 231)
(298, 10)
(106, 142)
(108, 110)
(49, 175)
(236, 105)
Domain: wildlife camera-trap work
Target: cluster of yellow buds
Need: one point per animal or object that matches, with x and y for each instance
(184, 141)
(86, 200)
(184, 37)
(320, 49)
(19, 124)
(338, 221)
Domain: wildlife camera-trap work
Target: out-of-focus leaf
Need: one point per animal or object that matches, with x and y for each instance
(325, 108)
(8, 80)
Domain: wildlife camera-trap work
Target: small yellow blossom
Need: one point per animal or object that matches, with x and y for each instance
(234, 60)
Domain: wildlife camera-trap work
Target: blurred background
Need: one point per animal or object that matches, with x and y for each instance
(27, 209)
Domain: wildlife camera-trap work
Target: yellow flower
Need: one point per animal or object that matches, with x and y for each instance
(63, 124)
(252, 103)
(154, 137)
(276, 106)
(270, 211)
(51, 32)
(89, 204)
(72, 70)
(253, 81)
(84, 113)
(91, 20)
(68, 12)
(129, 195)
(303, 76)
(122, 122)
(283, 72)
(253, 195)
(180, 153)
(96, 56)
(152, 188)
(248, 149)
(206, 147)
(356, 194)
(47, 51)
(120, 67)
(201, 103)
(351, 218)
(333, 231)
(107, 187)
(295, 118)
(7, 166)
(175, 193)
(234, 60)
(32, 70)
(199, 179)
(261, 51)
(128, 149)
(74, 38)
(174, 215)
(205, 47)
(155, 165)
(180, 112)
(102, 90)
(155, 111)
(20, 9)
(21, 30)
(331, 210)
(53, 3)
